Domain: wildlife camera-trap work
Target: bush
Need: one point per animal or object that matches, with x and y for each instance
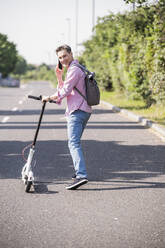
(157, 87)
(127, 52)
(42, 72)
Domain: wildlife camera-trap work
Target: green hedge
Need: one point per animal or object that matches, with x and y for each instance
(127, 52)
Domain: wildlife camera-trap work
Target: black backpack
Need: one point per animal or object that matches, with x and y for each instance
(92, 90)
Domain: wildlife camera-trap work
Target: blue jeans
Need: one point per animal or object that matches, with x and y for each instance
(76, 123)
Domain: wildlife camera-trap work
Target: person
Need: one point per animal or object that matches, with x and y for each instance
(78, 111)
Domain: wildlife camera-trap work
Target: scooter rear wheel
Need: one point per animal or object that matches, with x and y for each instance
(28, 186)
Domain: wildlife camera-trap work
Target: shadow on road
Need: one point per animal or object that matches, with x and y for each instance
(110, 165)
(47, 112)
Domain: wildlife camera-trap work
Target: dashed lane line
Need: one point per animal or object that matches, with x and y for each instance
(14, 109)
(5, 119)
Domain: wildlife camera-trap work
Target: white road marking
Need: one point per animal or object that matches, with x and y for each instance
(5, 119)
(63, 118)
(14, 109)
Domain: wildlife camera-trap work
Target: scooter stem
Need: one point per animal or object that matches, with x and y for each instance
(39, 123)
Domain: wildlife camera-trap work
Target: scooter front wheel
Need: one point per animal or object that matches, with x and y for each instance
(28, 186)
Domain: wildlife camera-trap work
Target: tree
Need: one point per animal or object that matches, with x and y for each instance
(127, 53)
(136, 1)
(31, 67)
(8, 56)
(21, 66)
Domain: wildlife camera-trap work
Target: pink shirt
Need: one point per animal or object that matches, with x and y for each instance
(74, 77)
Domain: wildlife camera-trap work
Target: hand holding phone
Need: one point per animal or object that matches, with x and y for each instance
(59, 71)
(59, 65)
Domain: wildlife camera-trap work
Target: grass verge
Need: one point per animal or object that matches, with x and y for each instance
(155, 113)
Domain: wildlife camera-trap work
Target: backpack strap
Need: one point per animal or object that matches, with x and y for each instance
(84, 70)
(80, 93)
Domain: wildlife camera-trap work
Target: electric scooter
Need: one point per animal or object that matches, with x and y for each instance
(27, 173)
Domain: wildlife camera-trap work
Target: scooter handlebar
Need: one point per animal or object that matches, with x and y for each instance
(39, 98)
(35, 97)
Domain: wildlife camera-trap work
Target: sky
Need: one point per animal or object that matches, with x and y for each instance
(38, 27)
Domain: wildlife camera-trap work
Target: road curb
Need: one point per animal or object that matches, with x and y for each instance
(145, 122)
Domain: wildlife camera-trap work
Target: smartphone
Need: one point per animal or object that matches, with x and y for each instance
(59, 65)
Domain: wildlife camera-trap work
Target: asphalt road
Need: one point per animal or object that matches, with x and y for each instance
(122, 206)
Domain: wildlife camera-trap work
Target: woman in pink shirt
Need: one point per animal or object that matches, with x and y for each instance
(78, 111)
